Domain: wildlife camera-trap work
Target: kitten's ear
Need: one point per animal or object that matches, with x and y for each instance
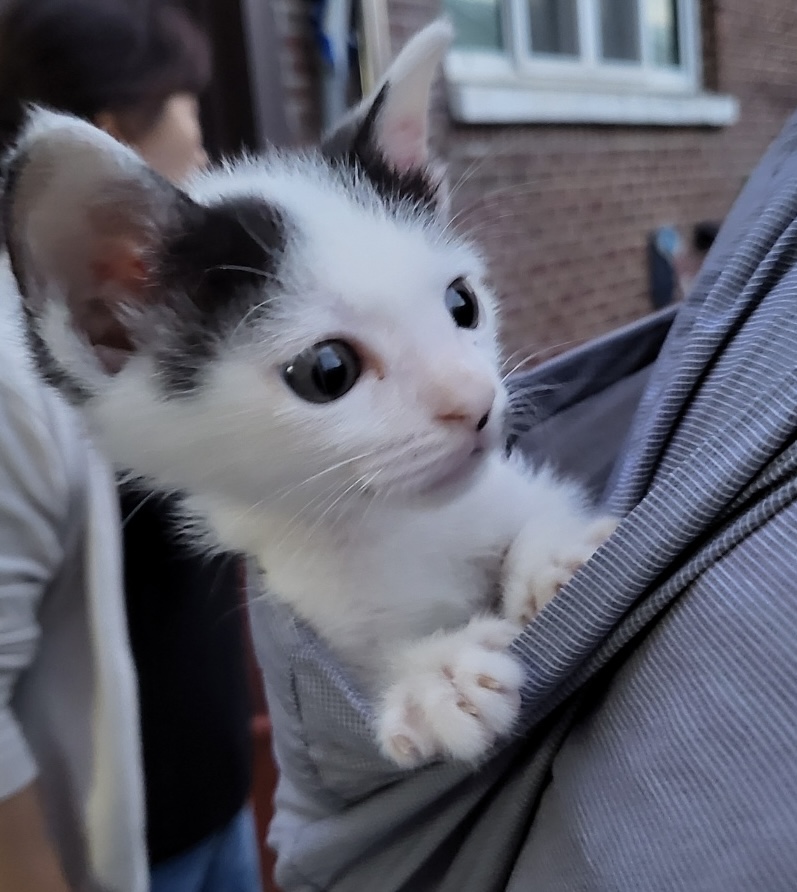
(392, 124)
(84, 220)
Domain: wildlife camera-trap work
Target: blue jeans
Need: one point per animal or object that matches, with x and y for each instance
(226, 861)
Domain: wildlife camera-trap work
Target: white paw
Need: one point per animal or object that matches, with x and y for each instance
(455, 694)
(535, 569)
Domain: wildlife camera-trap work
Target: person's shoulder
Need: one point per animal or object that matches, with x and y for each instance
(37, 427)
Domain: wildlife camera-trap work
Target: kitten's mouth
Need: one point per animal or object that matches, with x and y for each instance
(457, 474)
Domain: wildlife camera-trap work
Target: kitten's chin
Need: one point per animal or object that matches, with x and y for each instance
(453, 480)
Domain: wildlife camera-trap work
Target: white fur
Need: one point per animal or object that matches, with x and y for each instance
(343, 504)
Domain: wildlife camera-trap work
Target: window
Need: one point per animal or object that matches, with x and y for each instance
(628, 50)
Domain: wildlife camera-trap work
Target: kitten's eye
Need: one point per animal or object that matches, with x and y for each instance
(323, 372)
(461, 302)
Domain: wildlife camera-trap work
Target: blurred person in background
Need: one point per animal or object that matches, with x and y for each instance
(136, 70)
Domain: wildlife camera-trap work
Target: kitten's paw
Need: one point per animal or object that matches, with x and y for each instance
(534, 570)
(456, 693)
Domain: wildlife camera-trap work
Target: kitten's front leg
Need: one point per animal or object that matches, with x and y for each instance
(453, 695)
(542, 559)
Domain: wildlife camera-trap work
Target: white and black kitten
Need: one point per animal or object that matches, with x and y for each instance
(301, 345)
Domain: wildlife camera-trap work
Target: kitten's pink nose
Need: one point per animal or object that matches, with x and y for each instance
(469, 404)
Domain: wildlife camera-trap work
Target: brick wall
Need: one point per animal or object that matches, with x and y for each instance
(563, 213)
(299, 67)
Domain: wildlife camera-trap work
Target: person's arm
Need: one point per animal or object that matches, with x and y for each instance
(34, 498)
(28, 862)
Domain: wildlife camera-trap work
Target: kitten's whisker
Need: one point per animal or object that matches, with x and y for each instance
(267, 250)
(487, 199)
(250, 510)
(372, 496)
(534, 355)
(320, 519)
(465, 176)
(294, 521)
(512, 189)
(283, 493)
(488, 222)
(248, 314)
(151, 495)
(234, 267)
(469, 171)
(486, 231)
(329, 497)
(510, 358)
(367, 482)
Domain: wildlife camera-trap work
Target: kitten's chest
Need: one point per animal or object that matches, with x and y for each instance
(371, 595)
(413, 601)
(436, 593)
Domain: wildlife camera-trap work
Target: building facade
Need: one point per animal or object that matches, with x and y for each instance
(561, 175)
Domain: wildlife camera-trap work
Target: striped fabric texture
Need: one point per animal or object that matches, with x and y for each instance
(658, 743)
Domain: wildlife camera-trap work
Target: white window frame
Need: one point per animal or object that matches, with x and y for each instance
(514, 85)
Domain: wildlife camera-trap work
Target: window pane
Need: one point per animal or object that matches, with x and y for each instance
(554, 27)
(620, 30)
(477, 23)
(662, 19)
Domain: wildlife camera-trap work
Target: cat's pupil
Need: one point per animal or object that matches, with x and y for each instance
(324, 372)
(461, 302)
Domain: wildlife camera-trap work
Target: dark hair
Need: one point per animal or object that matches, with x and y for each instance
(91, 56)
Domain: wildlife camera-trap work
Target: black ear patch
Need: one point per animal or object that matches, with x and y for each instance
(222, 249)
(354, 146)
(225, 260)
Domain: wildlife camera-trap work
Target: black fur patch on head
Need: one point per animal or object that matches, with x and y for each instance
(225, 259)
(355, 146)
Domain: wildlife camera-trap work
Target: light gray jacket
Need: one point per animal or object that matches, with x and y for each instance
(68, 702)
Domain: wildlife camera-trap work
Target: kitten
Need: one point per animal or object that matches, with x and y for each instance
(301, 345)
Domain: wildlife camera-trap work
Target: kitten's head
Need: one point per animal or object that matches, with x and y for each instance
(289, 328)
